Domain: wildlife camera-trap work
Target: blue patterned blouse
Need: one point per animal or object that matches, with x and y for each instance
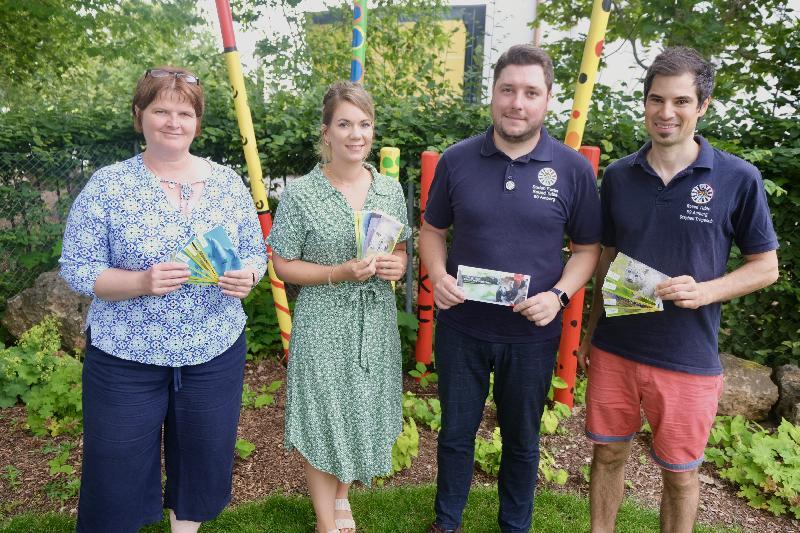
(122, 219)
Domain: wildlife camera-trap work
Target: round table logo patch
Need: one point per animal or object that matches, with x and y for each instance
(547, 176)
(702, 194)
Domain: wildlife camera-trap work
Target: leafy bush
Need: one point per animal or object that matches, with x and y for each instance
(549, 468)
(423, 375)
(488, 452)
(54, 406)
(406, 446)
(262, 397)
(262, 332)
(47, 381)
(766, 466)
(408, 325)
(64, 483)
(551, 416)
(30, 362)
(426, 411)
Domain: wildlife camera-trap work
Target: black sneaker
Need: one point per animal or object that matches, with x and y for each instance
(436, 528)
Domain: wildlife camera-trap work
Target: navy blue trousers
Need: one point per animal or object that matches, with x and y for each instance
(522, 374)
(126, 405)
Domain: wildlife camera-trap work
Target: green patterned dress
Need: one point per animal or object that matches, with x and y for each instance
(343, 406)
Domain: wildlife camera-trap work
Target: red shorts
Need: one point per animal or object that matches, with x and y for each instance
(680, 407)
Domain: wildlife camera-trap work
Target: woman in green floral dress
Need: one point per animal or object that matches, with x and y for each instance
(343, 408)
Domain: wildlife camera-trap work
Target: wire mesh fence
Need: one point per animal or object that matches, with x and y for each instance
(36, 191)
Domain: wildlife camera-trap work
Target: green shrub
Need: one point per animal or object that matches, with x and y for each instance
(405, 447)
(407, 324)
(262, 332)
(426, 411)
(54, 406)
(765, 466)
(30, 362)
(262, 397)
(488, 452)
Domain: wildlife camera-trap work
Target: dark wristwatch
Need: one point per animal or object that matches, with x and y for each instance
(563, 299)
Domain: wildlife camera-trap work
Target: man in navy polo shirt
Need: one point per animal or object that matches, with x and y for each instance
(510, 195)
(676, 205)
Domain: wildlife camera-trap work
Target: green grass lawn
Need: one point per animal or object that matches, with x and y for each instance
(400, 510)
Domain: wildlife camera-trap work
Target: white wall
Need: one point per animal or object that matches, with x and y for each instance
(506, 25)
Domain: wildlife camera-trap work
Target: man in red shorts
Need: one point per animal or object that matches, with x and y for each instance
(677, 205)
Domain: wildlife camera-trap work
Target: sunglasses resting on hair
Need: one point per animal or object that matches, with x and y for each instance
(161, 73)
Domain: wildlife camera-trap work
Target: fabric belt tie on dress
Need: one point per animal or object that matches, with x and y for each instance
(176, 378)
(362, 329)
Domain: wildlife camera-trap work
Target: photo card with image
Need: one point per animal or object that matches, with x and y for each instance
(630, 287)
(493, 286)
(208, 256)
(376, 233)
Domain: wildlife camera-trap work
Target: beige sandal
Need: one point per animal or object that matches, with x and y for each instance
(342, 504)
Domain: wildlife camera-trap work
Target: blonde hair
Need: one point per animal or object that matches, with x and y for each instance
(341, 91)
(149, 89)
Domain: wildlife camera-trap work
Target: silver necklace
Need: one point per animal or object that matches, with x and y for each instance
(186, 188)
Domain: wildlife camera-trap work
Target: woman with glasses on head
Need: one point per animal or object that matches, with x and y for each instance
(343, 407)
(161, 353)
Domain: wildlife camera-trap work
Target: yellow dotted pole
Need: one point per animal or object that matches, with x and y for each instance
(589, 65)
(573, 314)
(244, 118)
(390, 166)
(390, 162)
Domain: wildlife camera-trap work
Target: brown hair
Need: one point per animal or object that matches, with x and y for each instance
(149, 89)
(679, 60)
(526, 54)
(342, 91)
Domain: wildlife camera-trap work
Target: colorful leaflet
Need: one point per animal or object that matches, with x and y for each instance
(492, 286)
(630, 287)
(376, 233)
(208, 256)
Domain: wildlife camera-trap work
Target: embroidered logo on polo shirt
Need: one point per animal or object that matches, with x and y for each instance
(702, 194)
(698, 211)
(547, 177)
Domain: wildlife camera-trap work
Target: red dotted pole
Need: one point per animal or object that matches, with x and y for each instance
(573, 314)
(424, 347)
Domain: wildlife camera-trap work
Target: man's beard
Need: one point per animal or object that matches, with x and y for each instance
(516, 139)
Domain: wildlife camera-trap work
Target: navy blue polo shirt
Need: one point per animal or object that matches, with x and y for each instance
(685, 227)
(519, 229)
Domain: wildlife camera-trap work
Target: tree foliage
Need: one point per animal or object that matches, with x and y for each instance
(405, 52)
(43, 40)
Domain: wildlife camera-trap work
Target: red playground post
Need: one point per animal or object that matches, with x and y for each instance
(573, 314)
(424, 347)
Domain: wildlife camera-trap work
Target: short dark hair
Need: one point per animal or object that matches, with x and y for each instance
(526, 54)
(678, 60)
(150, 88)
